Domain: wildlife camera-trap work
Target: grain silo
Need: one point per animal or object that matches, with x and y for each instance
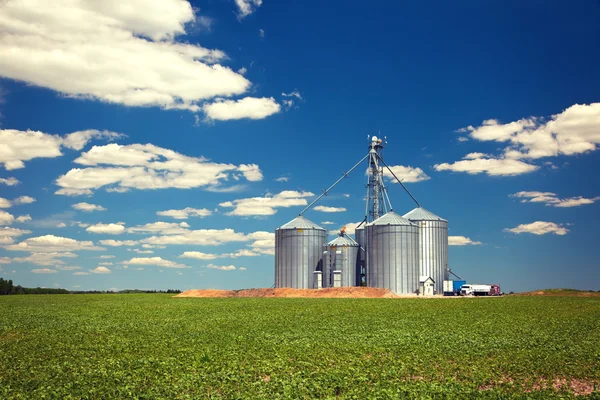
(361, 237)
(298, 252)
(340, 266)
(433, 245)
(392, 254)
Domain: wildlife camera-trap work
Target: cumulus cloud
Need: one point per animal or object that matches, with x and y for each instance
(51, 243)
(44, 271)
(158, 261)
(329, 209)
(106, 256)
(87, 207)
(573, 131)
(23, 200)
(24, 218)
(100, 270)
(327, 223)
(461, 241)
(266, 205)
(13, 232)
(110, 229)
(248, 107)
(148, 167)
(221, 268)
(115, 54)
(9, 181)
(162, 228)
(6, 218)
(247, 7)
(551, 199)
(476, 163)
(350, 228)
(19, 146)
(282, 179)
(201, 237)
(81, 273)
(117, 243)
(61, 225)
(406, 174)
(185, 213)
(198, 255)
(539, 228)
(67, 268)
(5, 203)
(45, 258)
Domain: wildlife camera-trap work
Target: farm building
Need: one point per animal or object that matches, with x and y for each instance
(405, 254)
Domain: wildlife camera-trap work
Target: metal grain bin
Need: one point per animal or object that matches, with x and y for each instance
(393, 254)
(341, 259)
(433, 245)
(298, 252)
(360, 234)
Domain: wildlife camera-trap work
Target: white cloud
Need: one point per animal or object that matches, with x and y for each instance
(23, 200)
(6, 218)
(9, 181)
(248, 107)
(242, 268)
(87, 207)
(551, 199)
(185, 213)
(198, 255)
(139, 166)
(221, 268)
(81, 273)
(4, 203)
(110, 229)
(24, 218)
(5, 260)
(13, 232)
(282, 179)
(47, 258)
(107, 256)
(242, 71)
(100, 270)
(406, 174)
(162, 228)
(206, 256)
(539, 228)
(143, 251)
(105, 263)
(327, 223)
(291, 98)
(261, 33)
(266, 205)
(61, 225)
(158, 261)
(6, 240)
(44, 271)
(116, 54)
(19, 146)
(247, 7)
(478, 163)
(51, 243)
(573, 131)
(201, 237)
(329, 209)
(461, 241)
(117, 243)
(67, 268)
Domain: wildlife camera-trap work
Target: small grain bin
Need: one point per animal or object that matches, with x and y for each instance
(340, 262)
(433, 245)
(298, 253)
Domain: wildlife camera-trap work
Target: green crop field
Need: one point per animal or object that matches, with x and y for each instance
(156, 346)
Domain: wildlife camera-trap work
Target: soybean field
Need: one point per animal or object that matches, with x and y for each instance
(154, 346)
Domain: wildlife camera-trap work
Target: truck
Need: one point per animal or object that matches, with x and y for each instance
(480, 290)
(452, 288)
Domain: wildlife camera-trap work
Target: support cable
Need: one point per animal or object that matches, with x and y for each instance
(399, 181)
(332, 186)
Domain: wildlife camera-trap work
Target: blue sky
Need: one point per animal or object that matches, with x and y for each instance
(159, 146)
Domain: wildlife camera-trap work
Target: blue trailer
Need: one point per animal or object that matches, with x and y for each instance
(452, 288)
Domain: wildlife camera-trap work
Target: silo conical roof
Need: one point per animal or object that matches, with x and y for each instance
(421, 214)
(301, 223)
(391, 218)
(343, 241)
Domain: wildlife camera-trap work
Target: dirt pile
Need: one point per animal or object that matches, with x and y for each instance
(346, 292)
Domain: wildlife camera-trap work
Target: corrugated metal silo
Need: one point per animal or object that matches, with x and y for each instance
(298, 252)
(341, 261)
(393, 254)
(433, 245)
